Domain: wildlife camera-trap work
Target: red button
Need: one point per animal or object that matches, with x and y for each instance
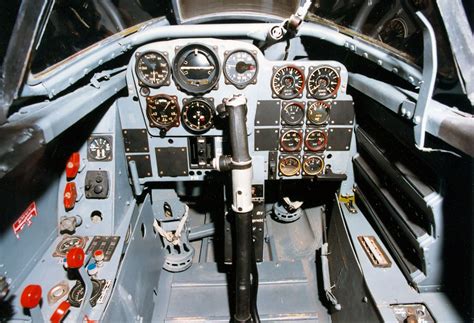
(31, 296)
(70, 196)
(75, 258)
(72, 166)
(60, 312)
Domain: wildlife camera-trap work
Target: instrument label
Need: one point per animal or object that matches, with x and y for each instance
(25, 218)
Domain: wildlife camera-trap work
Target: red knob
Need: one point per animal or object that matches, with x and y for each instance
(31, 296)
(75, 258)
(60, 312)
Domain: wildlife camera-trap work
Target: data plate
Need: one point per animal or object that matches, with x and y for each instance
(374, 251)
(105, 243)
(135, 140)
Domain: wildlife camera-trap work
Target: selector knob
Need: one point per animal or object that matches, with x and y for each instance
(75, 258)
(98, 189)
(31, 296)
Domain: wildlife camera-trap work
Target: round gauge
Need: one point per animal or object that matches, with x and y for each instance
(315, 140)
(318, 112)
(394, 31)
(291, 140)
(152, 69)
(198, 116)
(313, 165)
(196, 68)
(162, 111)
(76, 295)
(289, 166)
(292, 114)
(99, 148)
(240, 68)
(323, 82)
(288, 82)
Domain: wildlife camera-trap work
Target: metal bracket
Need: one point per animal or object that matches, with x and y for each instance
(430, 69)
(349, 202)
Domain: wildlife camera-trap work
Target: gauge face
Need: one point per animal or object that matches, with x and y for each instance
(289, 166)
(196, 68)
(288, 82)
(152, 69)
(162, 111)
(323, 82)
(315, 140)
(240, 68)
(292, 114)
(198, 116)
(394, 31)
(313, 165)
(318, 112)
(291, 140)
(99, 148)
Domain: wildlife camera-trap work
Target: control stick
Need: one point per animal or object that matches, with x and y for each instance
(240, 164)
(30, 299)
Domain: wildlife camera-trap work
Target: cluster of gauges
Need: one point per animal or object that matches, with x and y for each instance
(312, 165)
(317, 113)
(196, 68)
(293, 140)
(288, 82)
(197, 115)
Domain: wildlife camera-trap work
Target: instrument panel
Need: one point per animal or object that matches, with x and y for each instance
(300, 119)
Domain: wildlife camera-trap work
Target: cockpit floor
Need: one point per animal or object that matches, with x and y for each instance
(288, 283)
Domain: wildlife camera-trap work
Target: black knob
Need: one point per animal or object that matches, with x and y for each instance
(98, 189)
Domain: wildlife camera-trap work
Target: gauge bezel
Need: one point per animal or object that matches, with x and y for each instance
(308, 157)
(283, 147)
(286, 104)
(90, 155)
(143, 82)
(333, 94)
(299, 94)
(186, 102)
(228, 80)
(286, 157)
(158, 125)
(327, 105)
(179, 79)
(318, 148)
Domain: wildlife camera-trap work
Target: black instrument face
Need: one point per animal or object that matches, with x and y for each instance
(315, 140)
(198, 115)
(291, 140)
(394, 31)
(288, 82)
(162, 111)
(313, 165)
(152, 69)
(289, 166)
(318, 112)
(292, 114)
(76, 294)
(323, 82)
(196, 68)
(99, 148)
(240, 68)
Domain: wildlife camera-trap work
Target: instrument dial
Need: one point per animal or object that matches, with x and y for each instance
(292, 114)
(99, 148)
(152, 69)
(315, 140)
(240, 69)
(198, 115)
(162, 111)
(318, 112)
(394, 31)
(313, 165)
(288, 82)
(196, 68)
(323, 82)
(289, 166)
(291, 140)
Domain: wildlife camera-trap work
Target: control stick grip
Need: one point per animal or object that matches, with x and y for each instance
(236, 108)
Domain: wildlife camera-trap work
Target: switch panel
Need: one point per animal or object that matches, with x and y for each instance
(97, 184)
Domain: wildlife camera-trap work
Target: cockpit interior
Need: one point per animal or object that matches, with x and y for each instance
(236, 161)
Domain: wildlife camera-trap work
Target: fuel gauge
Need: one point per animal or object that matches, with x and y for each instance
(289, 166)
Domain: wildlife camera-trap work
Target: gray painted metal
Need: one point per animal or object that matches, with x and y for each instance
(461, 39)
(55, 81)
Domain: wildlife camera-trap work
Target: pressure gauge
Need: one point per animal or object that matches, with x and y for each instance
(289, 166)
(292, 114)
(291, 140)
(240, 68)
(315, 140)
(318, 112)
(313, 165)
